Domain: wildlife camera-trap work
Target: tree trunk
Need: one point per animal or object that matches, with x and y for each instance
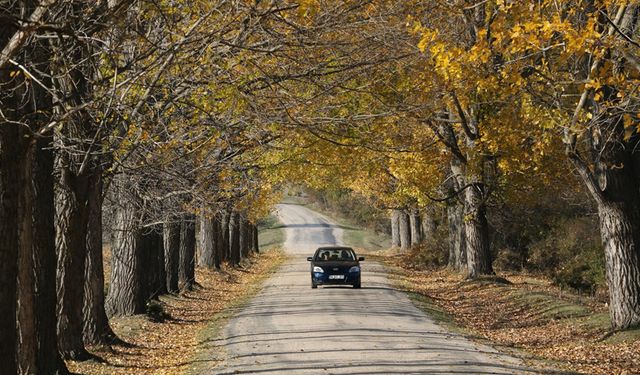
(243, 239)
(172, 231)
(124, 296)
(219, 249)
(207, 248)
(234, 239)
(615, 188)
(27, 344)
(476, 227)
(96, 330)
(256, 239)
(249, 237)
(395, 228)
(187, 253)
(48, 359)
(10, 187)
(428, 221)
(416, 228)
(151, 257)
(457, 247)
(225, 220)
(476, 233)
(405, 231)
(620, 230)
(71, 245)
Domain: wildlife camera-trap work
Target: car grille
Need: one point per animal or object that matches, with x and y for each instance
(337, 270)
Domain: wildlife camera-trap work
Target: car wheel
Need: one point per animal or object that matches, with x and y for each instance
(357, 286)
(314, 286)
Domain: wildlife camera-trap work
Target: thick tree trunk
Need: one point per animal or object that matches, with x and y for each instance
(234, 239)
(172, 254)
(457, 247)
(48, 360)
(476, 227)
(620, 230)
(256, 239)
(615, 188)
(219, 243)
(428, 221)
(187, 259)
(207, 248)
(10, 190)
(416, 228)
(10, 187)
(243, 240)
(151, 256)
(225, 246)
(395, 228)
(76, 175)
(27, 344)
(476, 233)
(124, 296)
(249, 237)
(96, 329)
(405, 231)
(71, 245)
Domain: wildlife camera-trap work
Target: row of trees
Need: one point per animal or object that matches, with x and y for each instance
(483, 101)
(154, 113)
(128, 119)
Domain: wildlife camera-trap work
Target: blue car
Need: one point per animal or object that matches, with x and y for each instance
(335, 265)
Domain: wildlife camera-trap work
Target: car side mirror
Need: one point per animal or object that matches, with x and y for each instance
(309, 259)
(360, 259)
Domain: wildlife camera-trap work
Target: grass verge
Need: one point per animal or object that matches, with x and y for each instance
(525, 316)
(270, 233)
(173, 346)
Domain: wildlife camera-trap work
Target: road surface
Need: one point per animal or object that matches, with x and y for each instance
(290, 328)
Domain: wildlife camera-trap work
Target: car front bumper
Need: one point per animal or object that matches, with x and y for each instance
(350, 278)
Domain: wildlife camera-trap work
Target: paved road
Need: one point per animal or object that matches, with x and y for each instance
(290, 328)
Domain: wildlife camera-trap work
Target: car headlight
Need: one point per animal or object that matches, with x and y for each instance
(317, 269)
(354, 269)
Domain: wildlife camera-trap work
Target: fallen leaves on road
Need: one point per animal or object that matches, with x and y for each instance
(169, 347)
(552, 327)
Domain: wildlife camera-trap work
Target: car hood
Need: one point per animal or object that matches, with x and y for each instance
(350, 263)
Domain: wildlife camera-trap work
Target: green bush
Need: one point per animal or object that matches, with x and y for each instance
(352, 206)
(571, 254)
(433, 253)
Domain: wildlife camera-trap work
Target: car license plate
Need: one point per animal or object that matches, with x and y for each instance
(336, 277)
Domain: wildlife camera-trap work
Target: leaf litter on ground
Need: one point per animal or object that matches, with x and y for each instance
(546, 325)
(169, 347)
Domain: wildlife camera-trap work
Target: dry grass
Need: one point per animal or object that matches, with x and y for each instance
(170, 347)
(548, 326)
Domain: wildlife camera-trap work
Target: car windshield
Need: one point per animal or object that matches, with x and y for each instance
(335, 254)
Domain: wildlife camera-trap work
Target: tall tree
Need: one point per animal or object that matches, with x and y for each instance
(186, 268)
(125, 296)
(172, 254)
(10, 152)
(97, 330)
(404, 228)
(235, 252)
(395, 228)
(207, 235)
(416, 227)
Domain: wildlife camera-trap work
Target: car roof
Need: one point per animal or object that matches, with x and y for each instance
(334, 248)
